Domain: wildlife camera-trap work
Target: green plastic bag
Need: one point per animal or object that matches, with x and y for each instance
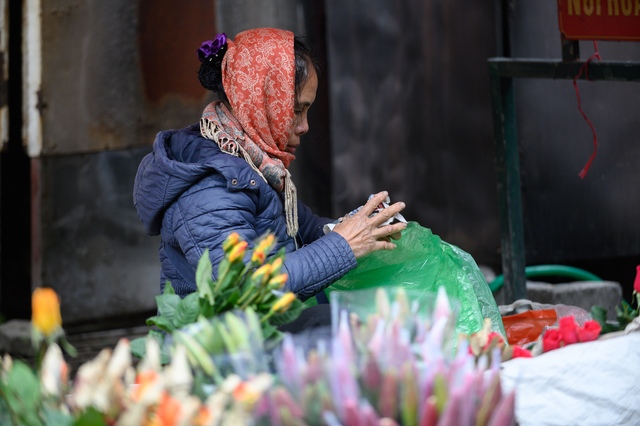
(422, 262)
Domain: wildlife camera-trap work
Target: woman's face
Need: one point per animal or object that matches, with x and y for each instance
(305, 98)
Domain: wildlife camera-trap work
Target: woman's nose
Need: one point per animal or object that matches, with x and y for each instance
(303, 127)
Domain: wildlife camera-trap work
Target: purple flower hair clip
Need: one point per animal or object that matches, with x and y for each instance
(210, 48)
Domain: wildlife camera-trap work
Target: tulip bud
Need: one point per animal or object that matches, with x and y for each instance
(230, 242)
(283, 303)
(504, 413)
(237, 252)
(569, 330)
(520, 352)
(261, 275)
(258, 256)
(552, 339)
(262, 250)
(276, 265)
(278, 282)
(429, 412)
(636, 283)
(45, 311)
(590, 331)
(388, 400)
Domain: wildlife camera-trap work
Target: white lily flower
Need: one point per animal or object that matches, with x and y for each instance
(177, 375)
(151, 360)
(54, 372)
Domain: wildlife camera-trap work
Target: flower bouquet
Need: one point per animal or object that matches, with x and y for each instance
(386, 370)
(245, 280)
(388, 365)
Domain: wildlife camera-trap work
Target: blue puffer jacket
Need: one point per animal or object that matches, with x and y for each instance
(194, 196)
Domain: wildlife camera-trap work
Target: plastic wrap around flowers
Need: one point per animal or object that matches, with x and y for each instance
(210, 48)
(387, 367)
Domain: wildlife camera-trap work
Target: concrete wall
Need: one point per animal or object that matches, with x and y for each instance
(411, 113)
(114, 73)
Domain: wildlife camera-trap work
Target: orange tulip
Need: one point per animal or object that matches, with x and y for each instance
(145, 380)
(258, 256)
(283, 303)
(261, 275)
(45, 311)
(203, 417)
(168, 411)
(262, 250)
(278, 281)
(238, 251)
(230, 242)
(276, 265)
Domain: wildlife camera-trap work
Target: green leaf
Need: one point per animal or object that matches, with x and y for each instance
(56, 417)
(24, 384)
(206, 309)
(91, 417)
(233, 297)
(138, 347)
(599, 314)
(162, 323)
(203, 278)
(268, 330)
(168, 288)
(187, 311)
(167, 304)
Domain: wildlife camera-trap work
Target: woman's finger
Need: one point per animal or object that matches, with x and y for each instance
(372, 204)
(393, 231)
(387, 213)
(396, 235)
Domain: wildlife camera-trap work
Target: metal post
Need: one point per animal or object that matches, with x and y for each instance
(509, 188)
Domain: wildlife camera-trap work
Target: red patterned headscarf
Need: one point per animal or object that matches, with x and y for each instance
(258, 76)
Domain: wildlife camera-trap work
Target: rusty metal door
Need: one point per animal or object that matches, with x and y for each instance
(99, 80)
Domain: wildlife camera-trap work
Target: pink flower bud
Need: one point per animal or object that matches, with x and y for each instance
(569, 330)
(636, 283)
(552, 339)
(504, 414)
(520, 352)
(590, 331)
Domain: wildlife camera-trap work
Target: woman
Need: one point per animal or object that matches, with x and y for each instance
(228, 173)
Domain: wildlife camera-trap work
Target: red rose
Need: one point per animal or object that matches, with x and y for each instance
(569, 330)
(590, 331)
(520, 352)
(636, 283)
(552, 339)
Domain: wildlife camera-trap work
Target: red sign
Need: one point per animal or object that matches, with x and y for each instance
(599, 19)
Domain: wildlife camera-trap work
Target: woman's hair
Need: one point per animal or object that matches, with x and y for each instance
(210, 72)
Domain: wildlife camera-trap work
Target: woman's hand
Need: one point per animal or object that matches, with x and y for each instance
(363, 232)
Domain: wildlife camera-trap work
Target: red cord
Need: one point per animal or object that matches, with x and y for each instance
(585, 68)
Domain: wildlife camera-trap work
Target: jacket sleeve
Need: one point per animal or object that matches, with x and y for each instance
(310, 224)
(315, 266)
(204, 218)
